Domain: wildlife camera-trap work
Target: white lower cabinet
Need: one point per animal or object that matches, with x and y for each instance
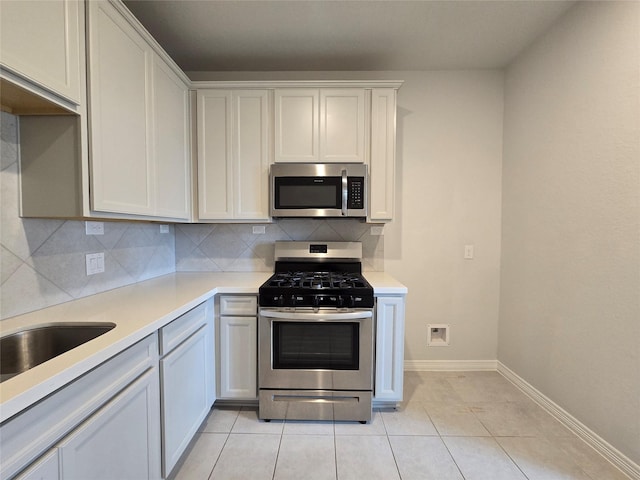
(121, 440)
(47, 468)
(389, 349)
(188, 376)
(238, 347)
(238, 359)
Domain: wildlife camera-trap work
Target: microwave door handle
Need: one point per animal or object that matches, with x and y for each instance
(345, 191)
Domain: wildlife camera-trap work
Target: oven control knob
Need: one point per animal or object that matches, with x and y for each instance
(281, 301)
(316, 301)
(345, 301)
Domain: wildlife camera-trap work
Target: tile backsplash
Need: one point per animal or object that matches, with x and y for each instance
(235, 248)
(43, 261)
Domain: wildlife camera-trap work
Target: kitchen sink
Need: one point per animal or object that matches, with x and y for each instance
(30, 347)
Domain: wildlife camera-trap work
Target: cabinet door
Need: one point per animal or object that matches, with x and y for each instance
(41, 41)
(119, 68)
(389, 349)
(383, 154)
(251, 155)
(238, 357)
(215, 186)
(46, 468)
(187, 373)
(342, 131)
(296, 125)
(171, 142)
(121, 440)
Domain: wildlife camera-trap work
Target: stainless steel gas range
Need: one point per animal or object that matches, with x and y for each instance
(316, 334)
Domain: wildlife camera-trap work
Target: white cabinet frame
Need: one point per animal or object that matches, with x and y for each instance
(389, 377)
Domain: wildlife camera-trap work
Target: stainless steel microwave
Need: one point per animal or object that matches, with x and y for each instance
(319, 190)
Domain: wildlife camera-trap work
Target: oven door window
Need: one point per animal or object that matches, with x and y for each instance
(308, 192)
(316, 345)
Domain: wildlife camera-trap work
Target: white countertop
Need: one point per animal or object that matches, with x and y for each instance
(137, 311)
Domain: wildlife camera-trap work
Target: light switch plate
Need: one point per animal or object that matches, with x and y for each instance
(258, 230)
(95, 263)
(468, 252)
(377, 230)
(164, 228)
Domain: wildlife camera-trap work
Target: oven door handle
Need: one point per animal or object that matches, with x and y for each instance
(297, 316)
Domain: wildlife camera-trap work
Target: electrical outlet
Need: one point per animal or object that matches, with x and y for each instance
(259, 230)
(95, 263)
(94, 228)
(377, 230)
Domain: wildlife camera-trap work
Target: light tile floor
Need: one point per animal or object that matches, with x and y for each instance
(452, 425)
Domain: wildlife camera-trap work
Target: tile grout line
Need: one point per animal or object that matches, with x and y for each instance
(393, 454)
(213, 467)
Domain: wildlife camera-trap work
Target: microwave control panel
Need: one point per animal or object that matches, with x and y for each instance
(355, 187)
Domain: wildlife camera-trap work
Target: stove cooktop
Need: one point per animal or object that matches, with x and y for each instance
(316, 289)
(314, 274)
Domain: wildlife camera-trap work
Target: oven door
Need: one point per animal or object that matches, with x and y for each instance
(323, 350)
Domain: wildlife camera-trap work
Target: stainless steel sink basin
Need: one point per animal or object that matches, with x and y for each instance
(26, 349)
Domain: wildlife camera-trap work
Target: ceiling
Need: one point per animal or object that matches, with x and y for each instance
(344, 35)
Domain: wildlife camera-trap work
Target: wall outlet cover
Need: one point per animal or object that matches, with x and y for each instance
(94, 228)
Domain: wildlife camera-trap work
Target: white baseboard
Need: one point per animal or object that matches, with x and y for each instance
(449, 365)
(603, 447)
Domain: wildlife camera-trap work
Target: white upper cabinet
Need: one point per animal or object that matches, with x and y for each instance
(297, 115)
(382, 164)
(233, 155)
(138, 121)
(320, 125)
(43, 42)
(342, 125)
(119, 69)
(171, 134)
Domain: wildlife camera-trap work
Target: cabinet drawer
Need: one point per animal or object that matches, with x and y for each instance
(174, 333)
(238, 305)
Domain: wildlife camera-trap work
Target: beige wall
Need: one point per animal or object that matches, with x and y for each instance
(448, 195)
(570, 295)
